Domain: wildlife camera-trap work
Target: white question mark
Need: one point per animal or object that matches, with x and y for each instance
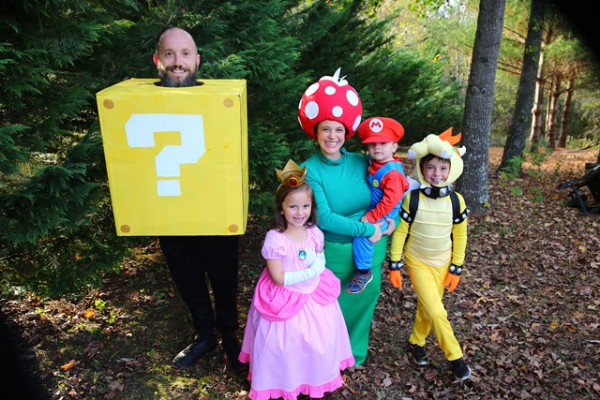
(140, 129)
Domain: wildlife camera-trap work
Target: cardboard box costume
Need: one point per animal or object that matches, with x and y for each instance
(177, 158)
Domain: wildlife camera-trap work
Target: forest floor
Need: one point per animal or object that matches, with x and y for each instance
(527, 313)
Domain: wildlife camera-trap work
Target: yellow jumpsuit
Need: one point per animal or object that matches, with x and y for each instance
(434, 243)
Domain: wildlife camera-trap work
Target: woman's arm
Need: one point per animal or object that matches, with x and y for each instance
(342, 188)
(333, 222)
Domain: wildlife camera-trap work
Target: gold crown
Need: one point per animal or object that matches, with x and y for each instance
(292, 175)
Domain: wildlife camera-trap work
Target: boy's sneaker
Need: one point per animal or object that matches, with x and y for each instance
(359, 282)
(460, 369)
(418, 354)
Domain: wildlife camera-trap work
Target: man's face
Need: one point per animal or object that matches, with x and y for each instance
(177, 59)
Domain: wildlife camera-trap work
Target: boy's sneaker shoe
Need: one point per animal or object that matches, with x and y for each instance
(460, 369)
(359, 282)
(418, 354)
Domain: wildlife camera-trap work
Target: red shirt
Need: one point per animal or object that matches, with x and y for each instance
(393, 185)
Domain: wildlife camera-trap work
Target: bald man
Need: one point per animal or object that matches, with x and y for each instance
(193, 259)
(176, 58)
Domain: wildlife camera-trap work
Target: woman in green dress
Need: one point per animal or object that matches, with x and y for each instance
(330, 111)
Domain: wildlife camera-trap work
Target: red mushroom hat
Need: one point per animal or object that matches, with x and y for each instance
(333, 99)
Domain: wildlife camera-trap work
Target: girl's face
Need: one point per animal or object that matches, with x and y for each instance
(382, 152)
(435, 171)
(331, 136)
(296, 208)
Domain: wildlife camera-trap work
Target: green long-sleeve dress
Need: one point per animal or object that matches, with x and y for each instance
(343, 197)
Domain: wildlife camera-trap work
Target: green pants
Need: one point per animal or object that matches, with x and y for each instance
(358, 308)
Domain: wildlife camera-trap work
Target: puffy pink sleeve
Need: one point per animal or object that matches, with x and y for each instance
(273, 247)
(317, 236)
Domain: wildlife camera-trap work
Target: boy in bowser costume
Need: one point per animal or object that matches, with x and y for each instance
(435, 249)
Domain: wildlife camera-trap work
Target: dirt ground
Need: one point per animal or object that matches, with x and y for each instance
(526, 313)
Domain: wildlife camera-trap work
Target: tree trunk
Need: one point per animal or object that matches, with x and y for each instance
(538, 111)
(477, 119)
(538, 115)
(553, 112)
(550, 91)
(564, 123)
(522, 115)
(538, 108)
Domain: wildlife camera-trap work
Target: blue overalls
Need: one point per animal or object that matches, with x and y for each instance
(361, 246)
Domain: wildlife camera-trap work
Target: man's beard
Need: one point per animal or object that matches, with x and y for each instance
(167, 81)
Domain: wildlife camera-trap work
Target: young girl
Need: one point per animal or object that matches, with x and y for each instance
(295, 339)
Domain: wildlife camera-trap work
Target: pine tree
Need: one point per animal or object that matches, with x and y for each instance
(401, 85)
(57, 226)
(55, 220)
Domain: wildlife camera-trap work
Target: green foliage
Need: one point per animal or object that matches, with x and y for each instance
(512, 170)
(584, 124)
(537, 158)
(11, 154)
(538, 195)
(57, 231)
(412, 90)
(57, 228)
(398, 84)
(516, 191)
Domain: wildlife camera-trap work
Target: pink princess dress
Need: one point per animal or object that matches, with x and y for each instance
(295, 339)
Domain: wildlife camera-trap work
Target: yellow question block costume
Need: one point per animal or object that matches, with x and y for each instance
(177, 158)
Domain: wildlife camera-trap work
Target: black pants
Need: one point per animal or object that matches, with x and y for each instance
(191, 260)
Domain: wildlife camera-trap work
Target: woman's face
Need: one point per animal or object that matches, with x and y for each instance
(331, 136)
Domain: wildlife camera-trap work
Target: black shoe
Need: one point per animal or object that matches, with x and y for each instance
(194, 351)
(460, 370)
(234, 365)
(232, 350)
(418, 354)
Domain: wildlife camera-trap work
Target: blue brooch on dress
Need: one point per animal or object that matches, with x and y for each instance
(302, 254)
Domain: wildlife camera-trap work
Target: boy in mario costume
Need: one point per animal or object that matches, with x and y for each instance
(387, 184)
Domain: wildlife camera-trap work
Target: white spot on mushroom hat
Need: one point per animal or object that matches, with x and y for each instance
(331, 98)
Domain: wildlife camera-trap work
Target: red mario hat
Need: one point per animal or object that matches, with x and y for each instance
(333, 99)
(380, 130)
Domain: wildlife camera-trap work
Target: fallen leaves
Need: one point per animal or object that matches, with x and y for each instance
(525, 313)
(69, 365)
